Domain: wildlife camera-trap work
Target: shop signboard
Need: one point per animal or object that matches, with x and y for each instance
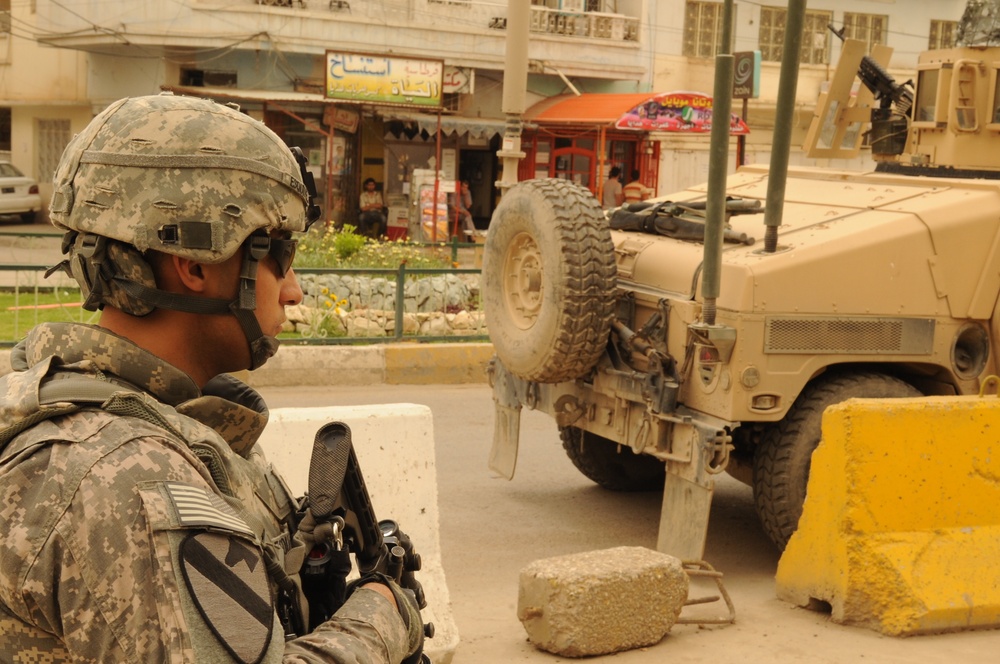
(381, 79)
(682, 112)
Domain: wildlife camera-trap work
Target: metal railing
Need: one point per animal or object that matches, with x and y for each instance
(27, 299)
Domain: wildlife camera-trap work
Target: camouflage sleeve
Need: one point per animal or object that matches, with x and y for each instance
(153, 566)
(366, 630)
(116, 598)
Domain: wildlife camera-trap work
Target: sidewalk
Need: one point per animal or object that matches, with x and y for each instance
(390, 364)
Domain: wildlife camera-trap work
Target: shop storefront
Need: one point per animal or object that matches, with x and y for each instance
(582, 137)
(383, 118)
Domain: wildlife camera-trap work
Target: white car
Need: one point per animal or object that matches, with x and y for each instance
(18, 193)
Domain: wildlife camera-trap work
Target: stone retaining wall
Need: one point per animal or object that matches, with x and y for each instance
(350, 306)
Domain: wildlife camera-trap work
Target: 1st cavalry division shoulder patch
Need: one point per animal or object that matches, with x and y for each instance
(225, 574)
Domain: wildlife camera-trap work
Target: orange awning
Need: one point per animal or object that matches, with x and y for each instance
(589, 108)
(680, 112)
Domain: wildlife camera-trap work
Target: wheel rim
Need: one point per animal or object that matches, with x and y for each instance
(522, 270)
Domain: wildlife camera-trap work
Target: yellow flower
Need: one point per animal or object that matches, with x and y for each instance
(324, 290)
(328, 304)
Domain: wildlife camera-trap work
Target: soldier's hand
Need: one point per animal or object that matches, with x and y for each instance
(406, 604)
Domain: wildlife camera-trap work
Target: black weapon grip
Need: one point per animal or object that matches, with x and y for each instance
(335, 481)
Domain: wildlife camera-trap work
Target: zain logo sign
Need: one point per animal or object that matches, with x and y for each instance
(746, 76)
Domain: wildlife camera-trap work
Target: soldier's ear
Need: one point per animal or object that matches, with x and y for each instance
(190, 274)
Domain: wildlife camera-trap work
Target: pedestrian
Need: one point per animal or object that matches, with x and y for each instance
(635, 190)
(463, 207)
(612, 196)
(141, 522)
(372, 218)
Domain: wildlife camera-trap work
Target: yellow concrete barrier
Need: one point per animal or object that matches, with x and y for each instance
(447, 363)
(900, 531)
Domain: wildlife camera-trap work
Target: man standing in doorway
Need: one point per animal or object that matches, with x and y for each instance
(612, 196)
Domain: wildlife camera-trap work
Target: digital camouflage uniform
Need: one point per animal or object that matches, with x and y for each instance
(141, 531)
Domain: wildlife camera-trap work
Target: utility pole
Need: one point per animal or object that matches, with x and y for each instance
(515, 84)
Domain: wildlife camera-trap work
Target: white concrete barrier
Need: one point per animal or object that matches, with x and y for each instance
(395, 447)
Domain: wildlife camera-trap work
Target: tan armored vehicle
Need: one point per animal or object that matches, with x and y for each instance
(879, 284)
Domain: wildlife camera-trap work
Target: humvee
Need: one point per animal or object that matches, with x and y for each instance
(877, 284)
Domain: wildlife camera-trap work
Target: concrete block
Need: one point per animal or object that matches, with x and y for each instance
(600, 602)
(900, 531)
(297, 366)
(395, 448)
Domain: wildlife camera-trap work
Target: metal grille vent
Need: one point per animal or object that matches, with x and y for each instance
(834, 334)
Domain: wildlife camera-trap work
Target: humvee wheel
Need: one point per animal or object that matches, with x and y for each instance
(615, 467)
(782, 460)
(548, 281)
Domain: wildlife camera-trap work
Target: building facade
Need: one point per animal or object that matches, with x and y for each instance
(67, 59)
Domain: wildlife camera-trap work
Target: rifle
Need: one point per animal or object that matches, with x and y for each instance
(342, 509)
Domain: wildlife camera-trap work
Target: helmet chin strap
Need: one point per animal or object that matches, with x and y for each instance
(261, 346)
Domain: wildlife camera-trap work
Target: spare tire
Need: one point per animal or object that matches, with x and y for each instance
(548, 283)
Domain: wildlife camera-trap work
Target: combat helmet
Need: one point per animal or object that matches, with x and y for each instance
(183, 176)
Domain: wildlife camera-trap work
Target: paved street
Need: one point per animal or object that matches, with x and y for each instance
(491, 528)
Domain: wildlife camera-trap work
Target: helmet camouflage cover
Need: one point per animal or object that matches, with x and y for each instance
(181, 175)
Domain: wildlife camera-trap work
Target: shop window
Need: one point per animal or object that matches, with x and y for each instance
(942, 34)
(815, 35)
(208, 78)
(868, 28)
(5, 130)
(703, 24)
(574, 164)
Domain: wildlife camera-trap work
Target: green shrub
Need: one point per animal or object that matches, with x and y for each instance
(344, 248)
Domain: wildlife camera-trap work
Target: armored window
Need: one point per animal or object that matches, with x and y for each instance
(942, 34)
(815, 35)
(703, 27)
(868, 28)
(927, 94)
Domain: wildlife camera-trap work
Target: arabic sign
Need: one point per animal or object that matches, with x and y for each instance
(344, 119)
(383, 79)
(687, 112)
(459, 80)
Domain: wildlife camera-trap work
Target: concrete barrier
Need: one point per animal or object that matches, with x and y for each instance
(900, 531)
(395, 447)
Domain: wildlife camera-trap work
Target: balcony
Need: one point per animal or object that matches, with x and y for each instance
(595, 25)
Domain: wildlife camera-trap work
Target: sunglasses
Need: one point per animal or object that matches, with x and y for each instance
(282, 250)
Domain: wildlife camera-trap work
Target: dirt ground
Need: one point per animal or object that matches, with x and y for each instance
(492, 528)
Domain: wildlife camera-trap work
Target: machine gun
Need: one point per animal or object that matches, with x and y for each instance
(892, 96)
(345, 523)
(682, 221)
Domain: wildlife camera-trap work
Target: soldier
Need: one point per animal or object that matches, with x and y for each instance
(140, 520)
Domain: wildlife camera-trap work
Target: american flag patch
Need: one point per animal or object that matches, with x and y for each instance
(197, 507)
